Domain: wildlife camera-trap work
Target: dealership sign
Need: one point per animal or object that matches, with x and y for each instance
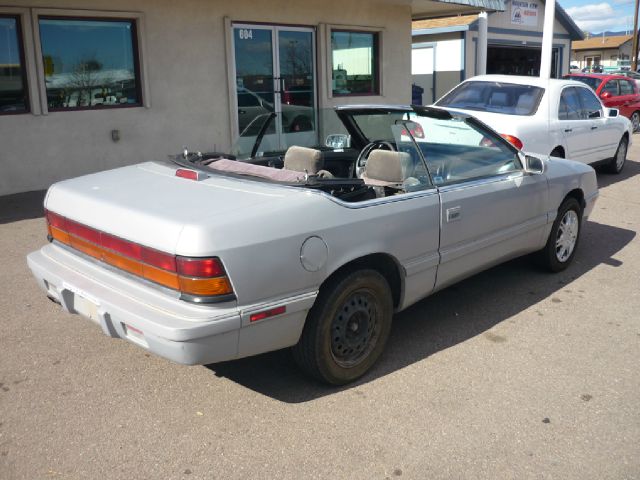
(524, 13)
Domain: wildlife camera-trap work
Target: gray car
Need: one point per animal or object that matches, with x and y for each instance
(208, 258)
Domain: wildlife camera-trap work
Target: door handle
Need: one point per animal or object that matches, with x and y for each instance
(568, 130)
(594, 127)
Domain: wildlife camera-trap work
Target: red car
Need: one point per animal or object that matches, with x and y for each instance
(615, 91)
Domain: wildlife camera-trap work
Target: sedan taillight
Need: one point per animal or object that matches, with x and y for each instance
(199, 280)
(515, 141)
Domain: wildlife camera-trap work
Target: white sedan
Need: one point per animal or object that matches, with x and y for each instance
(561, 118)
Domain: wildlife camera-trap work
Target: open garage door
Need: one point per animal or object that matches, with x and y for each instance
(516, 60)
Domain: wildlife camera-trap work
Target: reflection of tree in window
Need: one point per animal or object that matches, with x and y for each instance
(89, 63)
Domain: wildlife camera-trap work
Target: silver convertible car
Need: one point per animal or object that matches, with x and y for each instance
(211, 257)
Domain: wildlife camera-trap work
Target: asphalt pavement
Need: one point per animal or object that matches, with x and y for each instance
(511, 374)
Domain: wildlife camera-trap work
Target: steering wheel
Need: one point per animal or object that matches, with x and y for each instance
(361, 162)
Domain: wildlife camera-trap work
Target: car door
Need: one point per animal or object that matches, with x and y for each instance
(574, 127)
(603, 137)
(628, 97)
(610, 96)
(491, 209)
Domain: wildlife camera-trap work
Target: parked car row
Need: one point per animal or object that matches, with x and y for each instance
(561, 118)
(212, 257)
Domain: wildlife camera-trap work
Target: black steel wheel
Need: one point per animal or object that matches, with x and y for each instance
(347, 328)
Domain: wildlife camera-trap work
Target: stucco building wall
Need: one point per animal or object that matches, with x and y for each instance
(184, 50)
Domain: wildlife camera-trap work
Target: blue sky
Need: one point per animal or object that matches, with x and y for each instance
(599, 16)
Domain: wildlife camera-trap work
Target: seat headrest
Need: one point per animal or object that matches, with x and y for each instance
(525, 103)
(385, 168)
(303, 159)
(499, 99)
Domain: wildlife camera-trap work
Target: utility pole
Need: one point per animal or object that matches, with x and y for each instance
(547, 38)
(634, 48)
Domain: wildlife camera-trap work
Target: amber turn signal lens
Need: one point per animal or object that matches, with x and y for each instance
(205, 286)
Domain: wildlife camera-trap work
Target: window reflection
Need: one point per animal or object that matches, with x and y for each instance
(13, 94)
(89, 63)
(355, 63)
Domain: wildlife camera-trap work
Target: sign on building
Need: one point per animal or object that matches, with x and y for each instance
(524, 13)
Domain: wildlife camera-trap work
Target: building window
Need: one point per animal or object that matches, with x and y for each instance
(355, 63)
(90, 63)
(13, 85)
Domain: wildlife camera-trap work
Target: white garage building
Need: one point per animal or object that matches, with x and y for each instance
(445, 49)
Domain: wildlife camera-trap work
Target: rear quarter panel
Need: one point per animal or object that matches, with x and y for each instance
(261, 247)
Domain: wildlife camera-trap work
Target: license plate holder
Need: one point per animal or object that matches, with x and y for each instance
(83, 304)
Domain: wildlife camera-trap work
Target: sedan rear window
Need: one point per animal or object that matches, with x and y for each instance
(497, 97)
(591, 81)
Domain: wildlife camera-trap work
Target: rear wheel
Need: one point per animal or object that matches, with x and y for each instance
(563, 238)
(616, 164)
(347, 327)
(635, 121)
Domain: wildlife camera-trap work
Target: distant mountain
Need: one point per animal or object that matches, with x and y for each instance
(609, 34)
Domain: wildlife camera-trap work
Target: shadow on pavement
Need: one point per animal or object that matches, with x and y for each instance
(631, 169)
(444, 320)
(22, 206)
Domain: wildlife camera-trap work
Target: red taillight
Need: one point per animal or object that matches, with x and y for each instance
(188, 174)
(200, 267)
(200, 279)
(515, 141)
(159, 259)
(56, 220)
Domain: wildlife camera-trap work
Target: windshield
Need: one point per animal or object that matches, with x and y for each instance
(377, 126)
(412, 149)
(457, 148)
(591, 81)
(507, 98)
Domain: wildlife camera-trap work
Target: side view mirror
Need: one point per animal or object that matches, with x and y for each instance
(613, 112)
(338, 141)
(533, 165)
(605, 95)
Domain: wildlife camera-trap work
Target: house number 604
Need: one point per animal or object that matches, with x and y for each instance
(245, 34)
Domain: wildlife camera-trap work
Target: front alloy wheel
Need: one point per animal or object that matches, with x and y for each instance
(616, 164)
(567, 235)
(635, 121)
(564, 236)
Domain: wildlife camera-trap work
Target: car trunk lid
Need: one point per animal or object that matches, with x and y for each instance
(148, 204)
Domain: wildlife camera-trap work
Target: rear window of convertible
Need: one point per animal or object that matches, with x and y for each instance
(497, 97)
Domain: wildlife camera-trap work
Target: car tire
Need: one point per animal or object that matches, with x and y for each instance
(635, 121)
(347, 328)
(563, 239)
(616, 164)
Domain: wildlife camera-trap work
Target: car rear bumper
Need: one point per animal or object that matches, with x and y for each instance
(171, 328)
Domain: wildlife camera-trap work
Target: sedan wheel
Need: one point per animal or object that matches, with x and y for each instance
(563, 238)
(635, 121)
(347, 327)
(616, 164)
(567, 235)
